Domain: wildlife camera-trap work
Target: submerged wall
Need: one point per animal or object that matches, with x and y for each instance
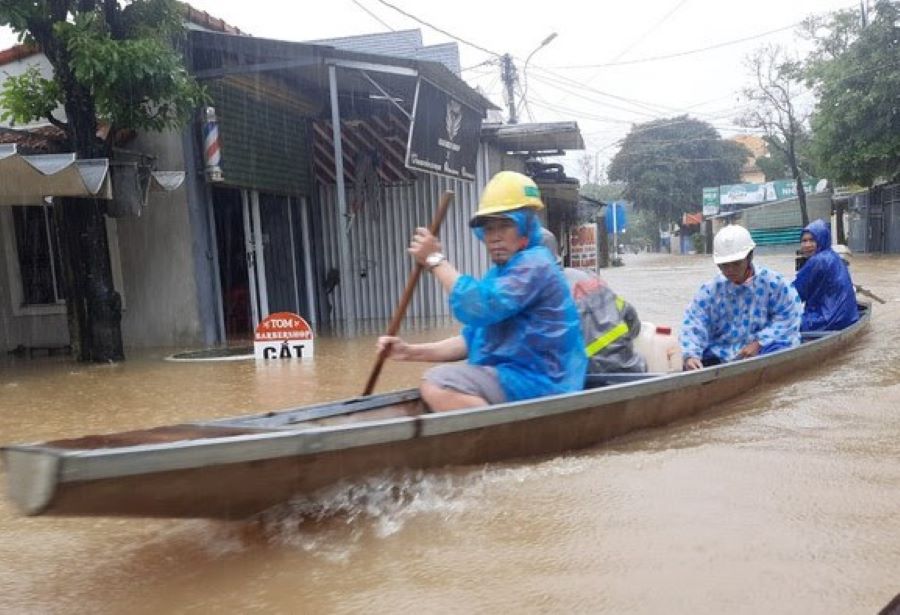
(157, 260)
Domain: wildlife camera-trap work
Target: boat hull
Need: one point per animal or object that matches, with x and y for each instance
(269, 459)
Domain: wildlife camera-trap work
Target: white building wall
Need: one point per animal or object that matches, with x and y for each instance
(157, 262)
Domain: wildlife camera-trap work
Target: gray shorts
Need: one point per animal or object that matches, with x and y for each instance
(478, 380)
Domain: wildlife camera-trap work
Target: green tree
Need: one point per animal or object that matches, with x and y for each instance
(666, 163)
(855, 72)
(774, 96)
(776, 164)
(114, 64)
(614, 191)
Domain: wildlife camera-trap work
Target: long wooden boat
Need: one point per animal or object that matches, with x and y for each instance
(236, 467)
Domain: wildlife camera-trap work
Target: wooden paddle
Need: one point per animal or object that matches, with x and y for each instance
(400, 311)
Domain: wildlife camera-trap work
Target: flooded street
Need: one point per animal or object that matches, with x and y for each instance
(783, 501)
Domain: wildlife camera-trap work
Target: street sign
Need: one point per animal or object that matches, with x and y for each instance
(283, 335)
(615, 217)
(710, 201)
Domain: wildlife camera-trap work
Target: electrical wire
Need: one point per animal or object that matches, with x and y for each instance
(437, 29)
(647, 32)
(373, 15)
(679, 54)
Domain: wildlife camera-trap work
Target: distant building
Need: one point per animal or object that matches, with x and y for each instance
(750, 172)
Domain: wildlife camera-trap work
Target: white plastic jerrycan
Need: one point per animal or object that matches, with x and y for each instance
(658, 345)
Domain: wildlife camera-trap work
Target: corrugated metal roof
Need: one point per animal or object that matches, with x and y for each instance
(212, 49)
(536, 137)
(401, 44)
(447, 54)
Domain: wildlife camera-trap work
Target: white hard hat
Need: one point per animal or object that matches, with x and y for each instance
(732, 243)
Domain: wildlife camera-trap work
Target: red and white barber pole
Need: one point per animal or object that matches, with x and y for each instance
(212, 147)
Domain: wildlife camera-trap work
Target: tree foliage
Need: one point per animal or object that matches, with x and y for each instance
(666, 163)
(774, 108)
(855, 72)
(604, 192)
(116, 62)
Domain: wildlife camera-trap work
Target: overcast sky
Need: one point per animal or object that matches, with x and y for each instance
(605, 68)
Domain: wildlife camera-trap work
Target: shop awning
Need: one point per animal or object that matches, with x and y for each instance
(27, 180)
(534, 138)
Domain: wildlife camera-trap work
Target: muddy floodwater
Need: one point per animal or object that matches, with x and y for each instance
(786, 500)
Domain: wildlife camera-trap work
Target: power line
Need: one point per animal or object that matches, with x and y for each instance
(374, 16)
(490, 62)
(680, 53)
(648, 31)
(655, 110)
(558, 85)
(441, 30)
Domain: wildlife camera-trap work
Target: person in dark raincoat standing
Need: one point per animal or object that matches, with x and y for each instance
(823, 283)
(521, 335)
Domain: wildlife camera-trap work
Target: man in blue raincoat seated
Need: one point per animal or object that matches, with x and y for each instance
(521, 334)
(823, 283)
(747, 310)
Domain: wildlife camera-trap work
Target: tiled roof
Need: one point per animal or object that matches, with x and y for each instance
(206, 21)
(192, 15)
(44, 140)
(17, 52)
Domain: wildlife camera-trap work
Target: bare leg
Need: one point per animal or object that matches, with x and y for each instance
(440, 399)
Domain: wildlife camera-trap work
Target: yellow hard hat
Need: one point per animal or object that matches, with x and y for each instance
(507, 191)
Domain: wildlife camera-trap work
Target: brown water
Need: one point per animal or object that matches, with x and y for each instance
(783, 501)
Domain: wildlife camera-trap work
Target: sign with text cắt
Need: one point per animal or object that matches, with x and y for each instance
(283, 335)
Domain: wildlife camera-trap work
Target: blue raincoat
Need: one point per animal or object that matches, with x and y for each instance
(824, 284)
(724, 317)
(521, 319)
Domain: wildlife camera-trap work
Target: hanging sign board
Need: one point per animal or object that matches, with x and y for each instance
(583, 247)
(710, 201)
(444, 135)
(283, 336)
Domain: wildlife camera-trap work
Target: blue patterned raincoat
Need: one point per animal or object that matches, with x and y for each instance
(724, 317)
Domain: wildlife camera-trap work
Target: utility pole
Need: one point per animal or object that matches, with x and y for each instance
(509, 77)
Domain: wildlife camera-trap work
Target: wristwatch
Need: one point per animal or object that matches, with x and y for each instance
(434, 259)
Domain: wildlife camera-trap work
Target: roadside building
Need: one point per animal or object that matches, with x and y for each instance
(307, 209)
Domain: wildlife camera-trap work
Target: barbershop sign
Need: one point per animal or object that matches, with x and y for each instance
(444, 135)
(283, 336)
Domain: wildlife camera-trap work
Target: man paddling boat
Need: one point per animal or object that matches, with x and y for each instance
(521, 335)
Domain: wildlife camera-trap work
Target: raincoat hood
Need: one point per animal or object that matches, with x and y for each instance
(821, 233)
(527, 224)
(520, 319)
(824, 285)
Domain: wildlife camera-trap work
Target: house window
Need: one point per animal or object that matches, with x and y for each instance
(37, 249)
